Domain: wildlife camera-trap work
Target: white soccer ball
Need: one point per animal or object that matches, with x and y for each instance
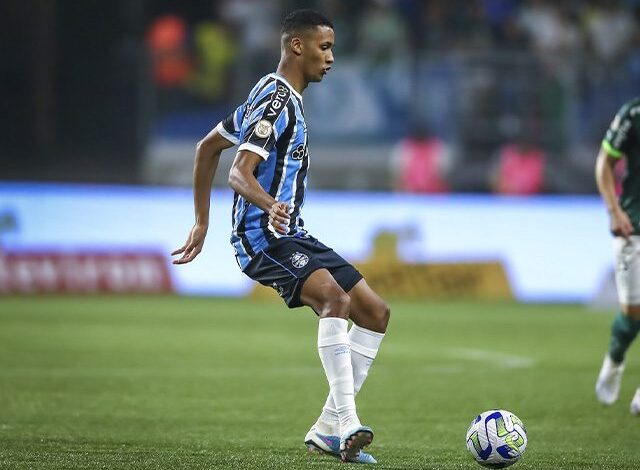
(496, 438)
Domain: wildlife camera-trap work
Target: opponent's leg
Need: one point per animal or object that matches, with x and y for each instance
(627, 323)
(624, 330)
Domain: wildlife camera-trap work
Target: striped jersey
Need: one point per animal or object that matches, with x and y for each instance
(270, 123)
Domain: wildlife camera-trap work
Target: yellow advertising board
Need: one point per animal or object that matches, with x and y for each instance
(392, 278)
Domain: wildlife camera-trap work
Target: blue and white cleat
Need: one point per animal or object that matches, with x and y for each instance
(353, 441)
(330, 445)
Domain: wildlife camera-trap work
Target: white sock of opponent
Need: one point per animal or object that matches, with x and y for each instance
(335, 354)
(364, 348)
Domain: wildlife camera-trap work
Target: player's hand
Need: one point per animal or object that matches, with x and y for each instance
(620, 223)
(279, 217)
(193, 246)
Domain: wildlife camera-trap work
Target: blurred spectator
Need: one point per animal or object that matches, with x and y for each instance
(381, 32)
(498, 14)
(519, 167)
(470, 27)
(170, 59)
(552, 28)
(421, 162)
(433, 33)
(342, 15)
(257, 26)
(610, 28)
(633, 63)
(618, 174)
(511, 37)
(214, 53)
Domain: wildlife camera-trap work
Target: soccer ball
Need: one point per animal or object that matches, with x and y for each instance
(496, 438)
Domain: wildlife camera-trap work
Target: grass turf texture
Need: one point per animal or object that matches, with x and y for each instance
(167, 382)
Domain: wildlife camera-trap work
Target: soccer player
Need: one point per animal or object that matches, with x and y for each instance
(269, 177)
(622, 141)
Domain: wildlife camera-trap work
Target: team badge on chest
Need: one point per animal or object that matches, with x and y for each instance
(263, 129)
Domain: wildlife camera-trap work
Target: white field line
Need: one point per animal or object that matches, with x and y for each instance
(508, 361)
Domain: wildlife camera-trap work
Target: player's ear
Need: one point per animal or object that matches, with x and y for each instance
(296, 45)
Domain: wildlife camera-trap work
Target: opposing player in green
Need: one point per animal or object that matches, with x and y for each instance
(622, 141)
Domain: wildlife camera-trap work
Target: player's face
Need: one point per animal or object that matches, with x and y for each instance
(317, 55)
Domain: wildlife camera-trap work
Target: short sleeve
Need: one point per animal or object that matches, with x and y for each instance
(229, 127)
(266, 123)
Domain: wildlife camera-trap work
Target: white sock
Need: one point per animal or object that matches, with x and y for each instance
(364, 348)
(335, 353)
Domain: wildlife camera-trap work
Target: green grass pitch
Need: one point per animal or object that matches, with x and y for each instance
(168, 383)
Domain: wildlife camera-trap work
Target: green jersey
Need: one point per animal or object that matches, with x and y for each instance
(623, 140)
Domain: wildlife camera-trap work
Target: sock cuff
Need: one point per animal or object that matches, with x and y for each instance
(332, 331)
(365, 342)
(625, 321)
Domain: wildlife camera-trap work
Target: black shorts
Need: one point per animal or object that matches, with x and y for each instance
(286, 263)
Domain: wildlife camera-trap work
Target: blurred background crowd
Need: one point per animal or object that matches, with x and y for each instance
(508, 96)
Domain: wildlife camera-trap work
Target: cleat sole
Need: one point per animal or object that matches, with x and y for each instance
(354, 443)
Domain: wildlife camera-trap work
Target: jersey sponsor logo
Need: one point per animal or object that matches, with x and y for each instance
(263, 129)
(299, 152)
(280, 98)
(299, 260)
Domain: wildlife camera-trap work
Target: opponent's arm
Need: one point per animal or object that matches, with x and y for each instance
(618, 220)
(208, 152)
(243, 181)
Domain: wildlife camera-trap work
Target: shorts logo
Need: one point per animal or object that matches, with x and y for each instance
(263, 129)
(299, 260)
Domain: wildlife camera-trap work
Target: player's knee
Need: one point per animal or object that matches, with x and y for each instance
(336, 304)
(377, 317)
(632, 311)
(383, 313)
(386, 315)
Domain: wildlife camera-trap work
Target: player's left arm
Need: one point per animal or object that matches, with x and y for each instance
(614, 148)
(208, 151)
(243, 182)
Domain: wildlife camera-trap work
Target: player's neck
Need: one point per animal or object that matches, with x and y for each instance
(291, 75)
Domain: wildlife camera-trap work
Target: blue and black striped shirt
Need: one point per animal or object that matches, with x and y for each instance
(270, 123)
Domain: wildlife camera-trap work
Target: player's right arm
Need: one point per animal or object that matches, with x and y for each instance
(243, 182)
(208, 151)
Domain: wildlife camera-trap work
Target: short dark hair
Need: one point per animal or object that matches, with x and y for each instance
(299, 20)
